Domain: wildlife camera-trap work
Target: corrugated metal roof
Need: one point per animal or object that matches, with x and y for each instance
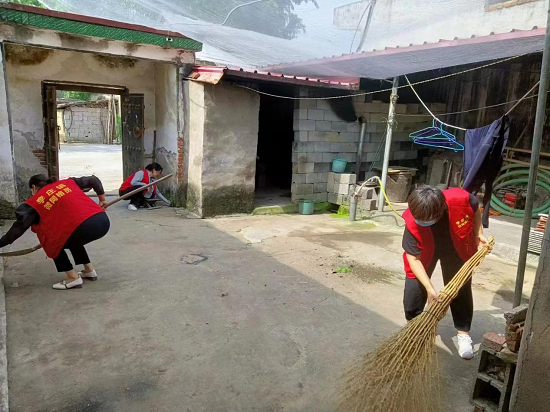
(397, 61)
(213, 74)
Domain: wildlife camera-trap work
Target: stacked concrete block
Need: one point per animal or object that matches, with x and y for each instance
(320, 135)
(85, 124)
(339, 186)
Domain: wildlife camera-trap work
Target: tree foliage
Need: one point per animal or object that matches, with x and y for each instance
(83, 96)
(272, 17)
(34, 3)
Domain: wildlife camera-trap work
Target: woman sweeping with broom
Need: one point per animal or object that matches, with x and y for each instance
(446, 227)
(401, 375)
(63, 217)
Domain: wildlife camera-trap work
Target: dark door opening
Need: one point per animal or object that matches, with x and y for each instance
(274, 159)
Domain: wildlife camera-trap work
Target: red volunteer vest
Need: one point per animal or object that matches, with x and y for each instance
(461, 221)
(62, 207)
(127, 184)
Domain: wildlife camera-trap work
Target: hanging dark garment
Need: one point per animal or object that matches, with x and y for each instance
(483, 149)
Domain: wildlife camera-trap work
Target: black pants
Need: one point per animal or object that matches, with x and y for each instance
(462, 307)
(93, 228)
(138, 200)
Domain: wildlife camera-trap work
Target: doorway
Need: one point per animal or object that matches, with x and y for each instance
(274, 158)
(92, 130)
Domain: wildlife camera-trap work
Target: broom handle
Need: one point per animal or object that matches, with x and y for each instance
(23, 252)
(450, 291)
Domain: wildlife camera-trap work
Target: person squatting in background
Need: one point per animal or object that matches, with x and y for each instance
(63, 217)
(140, 178)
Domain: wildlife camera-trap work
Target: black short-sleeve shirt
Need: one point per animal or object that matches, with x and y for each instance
(440, 231)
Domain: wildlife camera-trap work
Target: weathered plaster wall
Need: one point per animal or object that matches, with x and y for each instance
(223, 138)
(8, 197)
(230, 146)
(51, 39)
(28, 66)
(530, 391)
(166, 88)
(195, 147)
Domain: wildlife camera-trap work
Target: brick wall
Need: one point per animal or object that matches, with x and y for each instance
(320, 135)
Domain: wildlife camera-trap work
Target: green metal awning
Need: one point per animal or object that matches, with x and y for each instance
(67, 25)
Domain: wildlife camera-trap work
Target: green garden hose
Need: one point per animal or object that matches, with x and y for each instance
(543, 180)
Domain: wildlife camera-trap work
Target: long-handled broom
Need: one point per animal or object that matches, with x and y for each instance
(400, 375)
(23, 252)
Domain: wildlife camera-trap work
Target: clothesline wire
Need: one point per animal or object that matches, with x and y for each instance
(470, 110)
(523, 97)
(429, 111)
(382, 90)
(517, 102)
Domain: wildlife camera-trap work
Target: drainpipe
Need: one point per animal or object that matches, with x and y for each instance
(389, 132)
(360, 147)
(534, 164)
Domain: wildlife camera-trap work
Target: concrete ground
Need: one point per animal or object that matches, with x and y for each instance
(272, 197)
(233, 314)
(104, 161)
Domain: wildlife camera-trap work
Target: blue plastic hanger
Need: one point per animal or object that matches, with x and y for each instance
(435, 136)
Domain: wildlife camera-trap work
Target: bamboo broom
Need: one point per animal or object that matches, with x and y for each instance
(401, 374)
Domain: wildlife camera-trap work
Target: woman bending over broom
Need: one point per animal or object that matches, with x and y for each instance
(446, 227)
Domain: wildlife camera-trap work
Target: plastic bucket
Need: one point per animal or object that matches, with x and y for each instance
(339, 165)
(305, 207)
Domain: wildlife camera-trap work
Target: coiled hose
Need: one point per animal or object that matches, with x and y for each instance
(510, 177)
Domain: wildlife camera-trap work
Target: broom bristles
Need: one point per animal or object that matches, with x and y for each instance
(401, 374)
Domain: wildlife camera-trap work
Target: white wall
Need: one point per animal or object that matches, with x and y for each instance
(197, 115)
(166, 89)
(27, 67)
(402, 22)
(7, 176)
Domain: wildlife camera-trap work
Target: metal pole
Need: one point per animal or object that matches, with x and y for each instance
(389, 132)
(359, 159)
(534, 164)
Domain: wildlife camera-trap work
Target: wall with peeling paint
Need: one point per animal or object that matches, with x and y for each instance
(27, 67)
(7, 176)
(166, 90)
(20, 34)
(194, 147)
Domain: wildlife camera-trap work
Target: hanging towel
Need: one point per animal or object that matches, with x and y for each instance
(483, 149)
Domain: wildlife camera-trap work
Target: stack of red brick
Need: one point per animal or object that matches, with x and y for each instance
(515, 322)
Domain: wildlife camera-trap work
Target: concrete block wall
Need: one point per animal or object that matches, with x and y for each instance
(320, 136)
(87, 124)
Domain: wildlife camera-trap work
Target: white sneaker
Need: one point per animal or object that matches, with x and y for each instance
(88, 275)
(132, 207)
(465, 349)
(69, 285)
